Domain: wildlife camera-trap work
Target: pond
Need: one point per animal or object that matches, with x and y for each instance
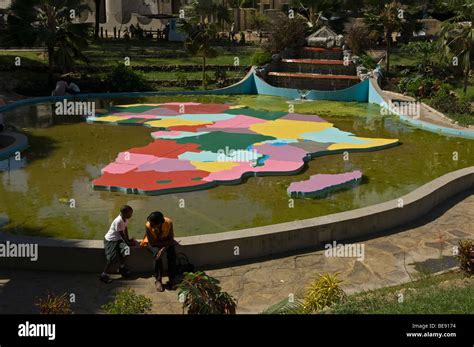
(66, 154)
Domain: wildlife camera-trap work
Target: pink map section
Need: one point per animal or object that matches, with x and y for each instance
(321, 184)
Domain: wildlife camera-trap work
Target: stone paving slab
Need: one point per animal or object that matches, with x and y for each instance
(388, 261)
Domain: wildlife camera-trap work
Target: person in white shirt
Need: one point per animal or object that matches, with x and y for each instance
(117, 244)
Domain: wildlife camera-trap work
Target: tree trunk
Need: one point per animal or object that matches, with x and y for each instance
(97, 17)
(204, 72)
(50, 65)
(388, 39)
(466, 79)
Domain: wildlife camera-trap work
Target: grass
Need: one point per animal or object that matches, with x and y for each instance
(109, 54)
(404, 59)
(443, 294)
(459, 90)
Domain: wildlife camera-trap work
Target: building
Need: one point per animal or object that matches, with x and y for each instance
(4, 4)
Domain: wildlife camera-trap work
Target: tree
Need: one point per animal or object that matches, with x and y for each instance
(285, 33)
(50, 23)
(199, 39)
(457, 37)
(385, 20)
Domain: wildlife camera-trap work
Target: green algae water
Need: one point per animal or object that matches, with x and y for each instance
(49, 192)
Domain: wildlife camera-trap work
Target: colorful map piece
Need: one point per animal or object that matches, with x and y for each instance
(321, 185)
(198, 146)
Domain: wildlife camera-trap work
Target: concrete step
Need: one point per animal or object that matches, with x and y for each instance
(311, 81)
(318, 66)
(319, 53)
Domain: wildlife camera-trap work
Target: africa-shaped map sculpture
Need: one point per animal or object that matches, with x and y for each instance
(198, 146)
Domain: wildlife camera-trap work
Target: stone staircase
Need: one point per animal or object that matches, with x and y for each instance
(312, 68)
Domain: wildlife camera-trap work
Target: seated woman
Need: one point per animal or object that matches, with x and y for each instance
(159, 238)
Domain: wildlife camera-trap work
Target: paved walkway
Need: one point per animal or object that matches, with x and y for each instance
(427, 114)
(389, 260)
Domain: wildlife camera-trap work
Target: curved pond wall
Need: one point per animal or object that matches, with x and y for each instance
(250, 84)
(215, 250)
(375, 97)
(19, 144)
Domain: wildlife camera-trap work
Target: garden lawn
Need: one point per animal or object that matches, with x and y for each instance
(443, 294)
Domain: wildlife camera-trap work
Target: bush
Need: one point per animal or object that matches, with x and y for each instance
(54, 304)
(220, 76)
(367, 61)
(465, 256)
(203, 295)
(181, 79)
(242, 38)
(260, 58)
(457, 108)
(419, 86)
(125, 79)
(128, 302)
(323, 292)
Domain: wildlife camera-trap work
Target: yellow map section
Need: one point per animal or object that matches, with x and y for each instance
(214, 166)
(371, 143)
(109, 119)
(288, 129)
(170, 122)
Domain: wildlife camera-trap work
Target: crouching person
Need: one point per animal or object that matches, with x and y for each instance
(117, 244)
(159, 239)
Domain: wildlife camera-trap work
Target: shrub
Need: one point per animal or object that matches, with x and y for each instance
(203, 295)
(128, 302)
(242, 38)
(323, 292)
(419, 86)
(220, 76)
(457, 108)
(466, 256)
(54, 304)
(260, 57)
(367, 61)
(125, 79)
(181, 79)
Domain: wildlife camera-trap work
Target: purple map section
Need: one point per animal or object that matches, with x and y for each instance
(323, 181)
(283, 153)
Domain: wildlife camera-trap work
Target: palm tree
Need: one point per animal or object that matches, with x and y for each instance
(457, 36)
(208, 11)
(49, 23)
(314, 9)
(199, 39)
(98, 4)
(385, 20)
